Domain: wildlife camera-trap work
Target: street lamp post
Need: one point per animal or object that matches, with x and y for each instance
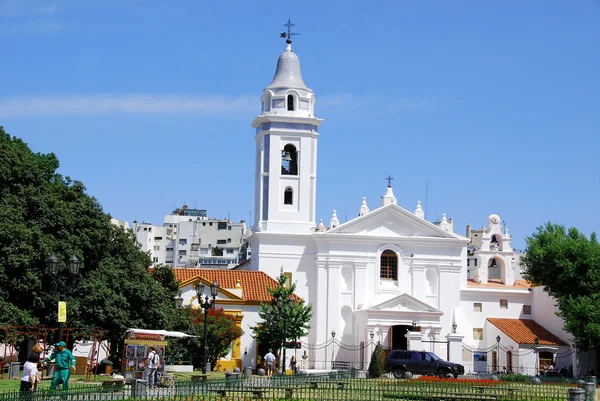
(333, 351)
(536, 342)
(206, 305)
(290, 301)
(53, 265)
(497, 352)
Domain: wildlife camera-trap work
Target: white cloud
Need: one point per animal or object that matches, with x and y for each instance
(136, 103)
(147, 103)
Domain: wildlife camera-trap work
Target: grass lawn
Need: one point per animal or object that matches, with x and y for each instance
(79, 380)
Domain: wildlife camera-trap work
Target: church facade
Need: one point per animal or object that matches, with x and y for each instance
(388, 275)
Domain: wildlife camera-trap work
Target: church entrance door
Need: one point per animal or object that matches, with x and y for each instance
(399, 340)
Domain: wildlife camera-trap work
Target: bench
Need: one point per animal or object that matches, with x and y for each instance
(112, 385)
(341, 365)
(201, 377)
(258, 392)
(340, 385)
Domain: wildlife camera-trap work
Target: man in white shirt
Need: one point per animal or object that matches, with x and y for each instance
(270, 361)
(152, 363)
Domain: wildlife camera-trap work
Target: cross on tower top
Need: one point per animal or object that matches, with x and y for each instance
(389, 180)
(289, 33)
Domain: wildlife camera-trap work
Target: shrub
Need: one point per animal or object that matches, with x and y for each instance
(377, 362)
(517, 378)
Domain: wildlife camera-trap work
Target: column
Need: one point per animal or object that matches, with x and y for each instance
(414, 340)
(455, 347)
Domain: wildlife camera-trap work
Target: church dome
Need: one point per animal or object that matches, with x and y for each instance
(288, 74)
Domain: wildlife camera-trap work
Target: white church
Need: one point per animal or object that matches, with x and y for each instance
(388, 275)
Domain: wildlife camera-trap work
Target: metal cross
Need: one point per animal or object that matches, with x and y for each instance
(389, 180)
(289, 33)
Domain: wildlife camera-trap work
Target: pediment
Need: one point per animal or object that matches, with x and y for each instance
(404, 303)
(223, 294)
(392, 221)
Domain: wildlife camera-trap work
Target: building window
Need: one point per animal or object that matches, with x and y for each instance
(222, 225)
(157, 238)
(210, 224)
(183, 241)
(477, 307)
(228, 240)
(230, 251)
(288, 196)
(182, 252)
(288, 279)
(221, 242)
(157, 247)
(290, 103)
(477, 334)
(388, 265)
(203, 224)
(289, 160)
(475, 260)
(527, 309)
(468, 262)
(504, 304)
(155, 259)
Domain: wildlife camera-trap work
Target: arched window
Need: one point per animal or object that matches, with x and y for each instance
(289, 160)
(388, 265)
(288, 196)
(267, 102)
(494, 240)
(509, 366)
(494, 269)
(290, 103)
(494, 361)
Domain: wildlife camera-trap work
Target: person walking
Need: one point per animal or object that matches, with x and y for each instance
(152, 363)
(293, 364)
(270, 361)
(64, 363)
(30, 375)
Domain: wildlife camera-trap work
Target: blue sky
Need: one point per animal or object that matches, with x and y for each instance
(149, 103)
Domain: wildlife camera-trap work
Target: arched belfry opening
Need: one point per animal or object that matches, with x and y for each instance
(289, 160)
(494, 269)
(290, 103)
(388, 265)
(288, 196)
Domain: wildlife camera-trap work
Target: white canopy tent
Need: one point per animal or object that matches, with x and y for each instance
(166, 333)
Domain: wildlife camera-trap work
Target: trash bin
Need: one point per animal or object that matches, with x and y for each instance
(247, 373)
(14, 370)
(138, 388)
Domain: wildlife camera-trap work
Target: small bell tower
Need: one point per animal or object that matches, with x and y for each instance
(286, 150)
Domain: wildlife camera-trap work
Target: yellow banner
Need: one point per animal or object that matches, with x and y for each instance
(62, 312)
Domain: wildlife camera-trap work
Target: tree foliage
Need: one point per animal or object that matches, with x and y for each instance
(567, 264)
(376, 366)
(222, 331)
(217, 251)
(269, 331)
(43, 213)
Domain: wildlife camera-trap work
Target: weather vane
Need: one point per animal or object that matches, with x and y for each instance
(289, 33)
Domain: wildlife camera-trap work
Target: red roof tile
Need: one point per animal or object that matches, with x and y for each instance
(254, 283)
(524, 331)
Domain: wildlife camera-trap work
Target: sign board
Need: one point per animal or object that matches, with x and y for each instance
(293, 345)
(62, 312)
(480, 362)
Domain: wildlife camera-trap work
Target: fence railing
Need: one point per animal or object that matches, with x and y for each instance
(332, 386)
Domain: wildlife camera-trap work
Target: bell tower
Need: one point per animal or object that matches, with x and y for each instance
(286, 151)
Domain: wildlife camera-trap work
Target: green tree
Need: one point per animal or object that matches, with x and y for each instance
(222, 331)
(376, 365)
(567, 264)
(43, 213)
(217, 251)
(269, 330)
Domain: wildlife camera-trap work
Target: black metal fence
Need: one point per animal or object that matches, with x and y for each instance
(332, 386)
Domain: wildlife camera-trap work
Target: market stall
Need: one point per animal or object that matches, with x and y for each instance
(135, 351)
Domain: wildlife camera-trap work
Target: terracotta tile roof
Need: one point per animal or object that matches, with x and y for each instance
(519, 284)
(524, 331)
(254, 283)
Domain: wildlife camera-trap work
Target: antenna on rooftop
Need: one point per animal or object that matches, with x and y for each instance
(426, 196)
(346, 216)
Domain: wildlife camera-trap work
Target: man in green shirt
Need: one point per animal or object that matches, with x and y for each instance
(64, 362)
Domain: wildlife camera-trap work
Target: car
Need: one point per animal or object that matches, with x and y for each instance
(399, 362)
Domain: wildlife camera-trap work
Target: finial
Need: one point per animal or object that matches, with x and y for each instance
(321, 226)
(364, 209)
(419, 211)
(389, 180)
(334, 222)
(444, 222)
(288, 35)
